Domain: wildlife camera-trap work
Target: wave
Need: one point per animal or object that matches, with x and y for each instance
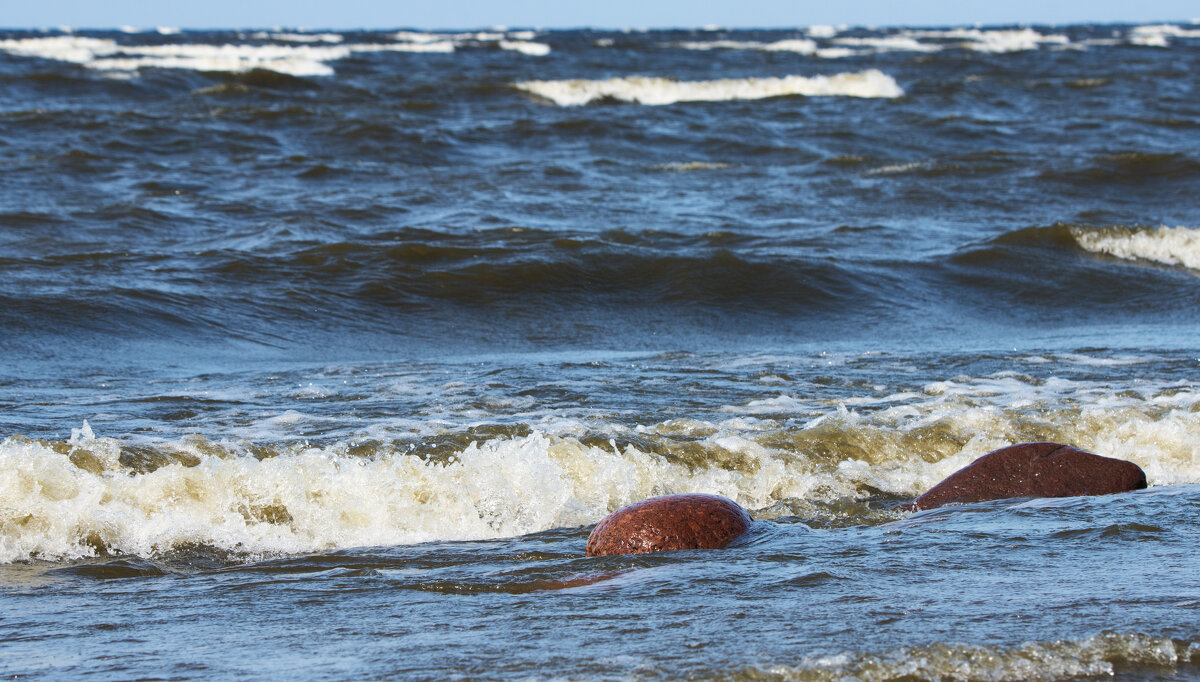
(1165, 245)
(1175, 246)
(892, 43)
(525, 47)
(295, 54)
(798, 45)
(793, 455)
(995, 41)
(1096, 656)
(105, 54)
(1157, 35)
(1130, 168)
(659, 91)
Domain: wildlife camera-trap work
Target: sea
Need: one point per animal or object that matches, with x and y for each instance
(321, 352)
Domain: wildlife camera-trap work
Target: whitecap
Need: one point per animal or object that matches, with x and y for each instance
(296, 60)
(994, 40)
(659, 91)
(525, 47)
(1166, 245)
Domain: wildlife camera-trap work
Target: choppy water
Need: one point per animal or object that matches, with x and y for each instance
(321, 353)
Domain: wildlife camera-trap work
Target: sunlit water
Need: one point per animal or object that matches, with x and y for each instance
(321, 353)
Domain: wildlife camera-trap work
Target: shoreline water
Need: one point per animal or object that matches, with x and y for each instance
(321, 352)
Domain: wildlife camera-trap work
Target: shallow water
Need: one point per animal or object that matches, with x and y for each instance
(322, 353)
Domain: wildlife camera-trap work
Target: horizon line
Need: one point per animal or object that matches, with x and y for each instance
(130, 29)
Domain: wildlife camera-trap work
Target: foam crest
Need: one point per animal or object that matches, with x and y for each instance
(897, 43)
(1166, 245)
(301, 37)
(296, 60)
(1056, 660)
(1157, 35)
(798, 45)
(525, 47)
(69, 502)
(67, 48)
(660, 91)
(71, 499)
(995, 41)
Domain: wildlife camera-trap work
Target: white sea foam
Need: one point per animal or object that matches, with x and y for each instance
(996, 40)
(297, 60)
(525, 47)
(1156, 35)
(893, 43)
(415, 37)
(797, 45)
(302, 37)
(1166, 245)
(659, 91)
(515, 41)
(66, 48)
(61, 500)
(822, 31)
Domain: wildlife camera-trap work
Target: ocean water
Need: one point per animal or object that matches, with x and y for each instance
(321, 353)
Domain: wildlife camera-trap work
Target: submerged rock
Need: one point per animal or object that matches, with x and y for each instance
(1034, 470)
(671, 522)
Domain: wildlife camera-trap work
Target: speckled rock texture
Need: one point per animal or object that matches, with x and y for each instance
(671, 522)
(1034, 470)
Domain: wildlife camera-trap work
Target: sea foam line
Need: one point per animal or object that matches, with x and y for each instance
(659, 91)
(296, 60)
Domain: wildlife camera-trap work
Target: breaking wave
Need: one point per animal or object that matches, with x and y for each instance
(1166, 245)
(786, 455)
(294, 54)
(659, 91)
(104, 54)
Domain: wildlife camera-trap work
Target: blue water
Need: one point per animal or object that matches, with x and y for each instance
(321, 354)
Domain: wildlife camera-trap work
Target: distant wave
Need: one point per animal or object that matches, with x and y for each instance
(995, 41)
(797, 45)
(295, 60)
(1159, 35)
(658, 91)
(294, 54)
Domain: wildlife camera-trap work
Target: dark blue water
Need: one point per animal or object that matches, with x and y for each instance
(320, 354)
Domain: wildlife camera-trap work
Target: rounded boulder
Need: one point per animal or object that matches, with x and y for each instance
(671, 522)
(1034, 470)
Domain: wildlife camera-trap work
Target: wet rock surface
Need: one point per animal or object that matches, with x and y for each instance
(671, 522)
(1034, 470)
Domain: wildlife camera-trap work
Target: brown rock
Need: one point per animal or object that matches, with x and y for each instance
(662, 524)
(1034, 470)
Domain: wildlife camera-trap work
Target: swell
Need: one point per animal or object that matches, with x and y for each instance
(1061, 269)
(276, 291)
(1131, 167)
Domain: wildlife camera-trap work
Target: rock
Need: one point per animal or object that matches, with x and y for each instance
(1034, 470)
(662, 524)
